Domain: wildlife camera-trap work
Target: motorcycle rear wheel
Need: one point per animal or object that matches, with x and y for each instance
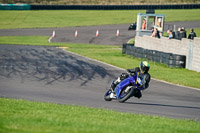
(126, 95)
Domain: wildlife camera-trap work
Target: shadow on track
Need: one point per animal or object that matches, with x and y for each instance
(163, 105)
(47, 64)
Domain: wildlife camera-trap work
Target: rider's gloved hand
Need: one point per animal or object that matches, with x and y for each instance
(129, 71)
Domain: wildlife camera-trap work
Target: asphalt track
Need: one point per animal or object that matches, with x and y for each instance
(50, 74)
(87, 34)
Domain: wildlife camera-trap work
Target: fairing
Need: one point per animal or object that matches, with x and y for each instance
(131, 80)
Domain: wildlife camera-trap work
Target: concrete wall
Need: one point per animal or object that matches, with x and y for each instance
(189, 48)
(196, 55)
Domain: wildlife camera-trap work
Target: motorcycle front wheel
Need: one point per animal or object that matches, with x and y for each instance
(107, 95)
(125, 94)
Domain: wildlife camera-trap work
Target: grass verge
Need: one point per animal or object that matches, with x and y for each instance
(69, 18)
(25, 116)
(113, 55)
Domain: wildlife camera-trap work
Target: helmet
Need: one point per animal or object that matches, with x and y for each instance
(144, 66)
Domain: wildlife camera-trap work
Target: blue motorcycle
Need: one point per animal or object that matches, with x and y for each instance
(127, 88)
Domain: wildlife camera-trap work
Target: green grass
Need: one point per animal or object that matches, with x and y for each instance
(113, 55)
(131, 41)
(19, 116)
(69, 18)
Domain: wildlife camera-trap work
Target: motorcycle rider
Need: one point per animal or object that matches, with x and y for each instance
(143, 78)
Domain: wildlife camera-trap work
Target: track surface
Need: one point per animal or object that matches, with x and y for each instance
(50, 74)
(87, 34)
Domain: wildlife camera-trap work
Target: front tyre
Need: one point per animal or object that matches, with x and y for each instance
(126, 94)
(107, 95)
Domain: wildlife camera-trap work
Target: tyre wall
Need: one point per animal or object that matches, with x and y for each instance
(172, 60)
(186, 47)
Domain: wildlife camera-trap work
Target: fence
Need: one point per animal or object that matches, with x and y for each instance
(95, 7)
(15, 7)
(113, 7)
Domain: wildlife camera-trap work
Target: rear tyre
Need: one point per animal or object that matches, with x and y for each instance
(126, 94)
(107, 95)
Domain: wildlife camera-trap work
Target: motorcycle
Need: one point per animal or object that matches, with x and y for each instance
(127, 88)
(132, 26)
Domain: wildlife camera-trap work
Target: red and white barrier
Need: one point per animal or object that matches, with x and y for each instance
(52, 36)
(117, 34)
(97, 33)
(76, 34)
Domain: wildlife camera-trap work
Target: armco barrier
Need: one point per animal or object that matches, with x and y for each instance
(172, 60)
(113, 7)
(15, 7)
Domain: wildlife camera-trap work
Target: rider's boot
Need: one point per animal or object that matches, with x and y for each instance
(113, 95)
(112, 87)
(138, 94)
(114, 84)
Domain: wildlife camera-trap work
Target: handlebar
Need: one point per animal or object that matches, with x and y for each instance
(129, 73)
